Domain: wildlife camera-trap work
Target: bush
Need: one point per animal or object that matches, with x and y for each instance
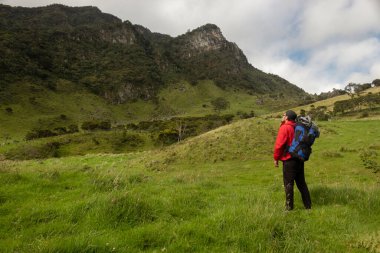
(244, 115)
(368, 158)
(60, 130)
(42, 151)
(36, 134)
(73, 128)
(229, 117)
(9, 110)
(63, 117)
(94, 125)
(105, 125)
(43, 133)
(132, 140)
(167, 137)
(127, 139)
(131, 126)
(364, 115)
(320, 113)
(89, 125)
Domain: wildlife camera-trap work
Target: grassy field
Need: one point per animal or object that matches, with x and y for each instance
(217, 192)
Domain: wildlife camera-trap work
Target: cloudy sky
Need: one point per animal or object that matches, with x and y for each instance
(316, 44)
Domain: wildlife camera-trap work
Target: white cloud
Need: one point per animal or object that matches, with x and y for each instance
(328, 21)
(317, 45)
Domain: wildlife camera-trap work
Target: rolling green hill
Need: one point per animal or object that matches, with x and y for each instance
(215, 192)
(150, 135)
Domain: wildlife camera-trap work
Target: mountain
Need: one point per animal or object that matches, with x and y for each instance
(117, 60)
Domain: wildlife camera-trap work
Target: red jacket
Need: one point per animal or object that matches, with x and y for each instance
(284, 139)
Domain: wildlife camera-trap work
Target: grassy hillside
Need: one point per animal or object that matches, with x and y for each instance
(329, 103)
(218, 192)
(195, 100)
(35, 107)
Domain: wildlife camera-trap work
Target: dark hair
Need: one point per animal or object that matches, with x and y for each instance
(291, 115)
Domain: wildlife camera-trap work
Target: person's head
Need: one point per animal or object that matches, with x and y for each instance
(289, 115)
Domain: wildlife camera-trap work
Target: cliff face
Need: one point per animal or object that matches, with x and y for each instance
(115, 59)
(205, 39)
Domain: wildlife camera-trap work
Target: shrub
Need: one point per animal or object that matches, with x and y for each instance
(60, 130)
(228, 118)
(167, 137)
(93, 125)
(319, 113)
(9, 110)
(132, 140)
(364, 115)
(26, 152)
(73, 128)
(105, 125)
(132, 126)
(39, 133)
(63, 117)
(244, 115)
(89, 125)
(368, 158)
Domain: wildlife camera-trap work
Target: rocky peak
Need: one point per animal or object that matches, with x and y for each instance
(205, 38)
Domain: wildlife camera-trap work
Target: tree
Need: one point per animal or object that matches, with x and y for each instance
(181, 129)
(220, 104)
(376, 82)
(353, 89)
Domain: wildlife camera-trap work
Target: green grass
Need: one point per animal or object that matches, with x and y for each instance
(195, 100)
(176, 200)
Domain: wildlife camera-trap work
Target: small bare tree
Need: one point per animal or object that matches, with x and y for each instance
(181, 129)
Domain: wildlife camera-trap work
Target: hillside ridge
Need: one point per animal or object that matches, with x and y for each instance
(117, 60)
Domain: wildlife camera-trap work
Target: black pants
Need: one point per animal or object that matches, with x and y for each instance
(293, 170)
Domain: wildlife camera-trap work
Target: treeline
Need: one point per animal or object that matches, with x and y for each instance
(87, 126)
(43, 133)
(163, 131)
(353, 104)
(177, 129)
(321, 113)
(351, 89)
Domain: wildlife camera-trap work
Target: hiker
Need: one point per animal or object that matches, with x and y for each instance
(293, 168)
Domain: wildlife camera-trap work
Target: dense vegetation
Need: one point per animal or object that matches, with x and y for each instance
(368, 101)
